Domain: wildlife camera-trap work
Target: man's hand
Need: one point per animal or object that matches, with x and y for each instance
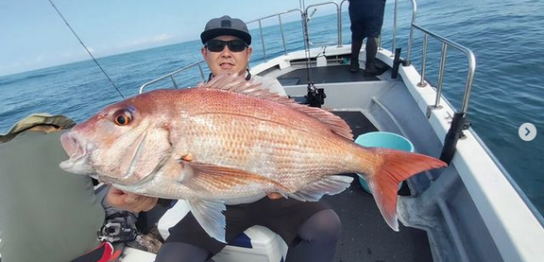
(274, 196)
(130, 201)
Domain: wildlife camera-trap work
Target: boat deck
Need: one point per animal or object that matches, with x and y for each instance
(328, 74)
(365, 235)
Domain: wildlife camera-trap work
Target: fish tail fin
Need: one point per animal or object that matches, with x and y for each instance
(392, 167)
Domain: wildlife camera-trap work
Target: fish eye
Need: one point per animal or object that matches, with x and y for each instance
(122, 118)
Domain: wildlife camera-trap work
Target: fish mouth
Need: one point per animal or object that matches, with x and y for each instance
(77, 151)
(72, 146)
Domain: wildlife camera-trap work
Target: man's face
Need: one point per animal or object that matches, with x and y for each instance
(227, 60)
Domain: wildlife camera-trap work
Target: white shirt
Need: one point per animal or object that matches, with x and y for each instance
(270, 83)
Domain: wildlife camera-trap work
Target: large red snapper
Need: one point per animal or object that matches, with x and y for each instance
(230, 142)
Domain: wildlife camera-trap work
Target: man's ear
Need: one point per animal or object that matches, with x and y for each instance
(204, 52)
(249, 52)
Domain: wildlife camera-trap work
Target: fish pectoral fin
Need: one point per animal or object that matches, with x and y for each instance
(210, 217)
(212, 177)
(330, 185)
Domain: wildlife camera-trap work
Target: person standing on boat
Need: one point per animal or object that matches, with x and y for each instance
(311, 228)
(366, 17)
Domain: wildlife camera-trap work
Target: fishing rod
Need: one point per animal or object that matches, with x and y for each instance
(316, 96)
(87, 49)
(305, 21)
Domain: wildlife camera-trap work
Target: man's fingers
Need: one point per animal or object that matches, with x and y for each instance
(131, 198)
(115, 197)
(274, 196)
(140, 206)
(149, 203)
(145, 204)
(116, 191)
(130, 201)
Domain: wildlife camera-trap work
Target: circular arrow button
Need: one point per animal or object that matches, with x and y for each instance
(527, 132)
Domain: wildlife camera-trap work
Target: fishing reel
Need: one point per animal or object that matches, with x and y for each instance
(119, 227)
(316, 96)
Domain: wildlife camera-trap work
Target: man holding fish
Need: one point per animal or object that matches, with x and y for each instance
(312, 227)
(230, 142)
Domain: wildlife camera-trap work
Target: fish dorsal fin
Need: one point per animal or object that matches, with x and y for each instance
(238, 84)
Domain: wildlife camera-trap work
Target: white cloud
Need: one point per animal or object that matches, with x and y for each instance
(43, 60)
(148, 41)
(39, 58)
(9, 67)
(72, 55)
(18, 67)
(78, 53)
(161, 38)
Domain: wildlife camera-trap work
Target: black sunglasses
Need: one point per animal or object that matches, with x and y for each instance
(236, 45)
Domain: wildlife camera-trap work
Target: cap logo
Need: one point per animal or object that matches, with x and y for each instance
(226, 23)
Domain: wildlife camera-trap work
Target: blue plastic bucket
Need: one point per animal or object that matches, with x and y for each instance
(385, 140)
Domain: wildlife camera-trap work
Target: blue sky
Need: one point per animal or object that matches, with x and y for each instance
(33, 36)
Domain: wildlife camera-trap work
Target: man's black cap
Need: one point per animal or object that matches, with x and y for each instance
(225, 25)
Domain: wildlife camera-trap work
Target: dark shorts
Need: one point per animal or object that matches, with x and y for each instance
(283, 216)
(366, 18)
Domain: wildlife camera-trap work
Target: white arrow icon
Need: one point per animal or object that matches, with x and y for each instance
(527, 132)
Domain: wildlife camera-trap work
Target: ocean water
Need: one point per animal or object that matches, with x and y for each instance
(508, 90)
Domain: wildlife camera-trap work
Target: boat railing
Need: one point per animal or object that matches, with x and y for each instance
(445, 44)
(459, 120)
(172, 74)
(443, 54)
(280, 22)
(338, 17)
(304, 14)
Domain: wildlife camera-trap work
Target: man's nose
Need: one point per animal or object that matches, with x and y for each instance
(226, 52)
